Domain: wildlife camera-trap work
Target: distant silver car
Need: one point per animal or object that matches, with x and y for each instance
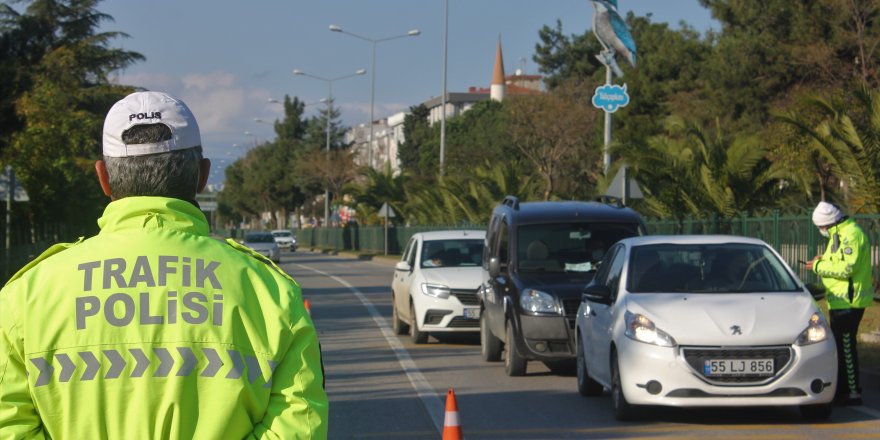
(285, 239)
(264, 243)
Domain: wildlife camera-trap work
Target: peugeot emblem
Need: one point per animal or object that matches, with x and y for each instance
(735, 330)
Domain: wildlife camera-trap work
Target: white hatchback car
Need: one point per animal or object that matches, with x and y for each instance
(703, 321)
(264, 243)
(435, 284)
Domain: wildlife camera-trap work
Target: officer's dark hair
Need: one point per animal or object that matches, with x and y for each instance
(173, 174)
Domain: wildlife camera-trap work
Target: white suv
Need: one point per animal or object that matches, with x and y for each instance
(285, 239)
(435, 284)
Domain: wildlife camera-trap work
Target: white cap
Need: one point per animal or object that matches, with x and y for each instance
(826, 214)
(149, 108)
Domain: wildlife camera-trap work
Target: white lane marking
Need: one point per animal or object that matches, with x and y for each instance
(430, 399)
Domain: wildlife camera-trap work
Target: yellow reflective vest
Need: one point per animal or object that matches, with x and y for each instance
(845, 267)
(153, 329)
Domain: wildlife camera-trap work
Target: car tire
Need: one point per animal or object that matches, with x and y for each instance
(587, 387)
(490, 345)
(816, 412)
(416, 335)
(514, 364)
(623, 411)
(397, 325)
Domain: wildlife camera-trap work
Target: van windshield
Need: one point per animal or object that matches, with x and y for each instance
(567, 247)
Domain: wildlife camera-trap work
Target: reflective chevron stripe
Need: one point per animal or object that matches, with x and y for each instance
(214, 362)
(67, 367)
(115, 363)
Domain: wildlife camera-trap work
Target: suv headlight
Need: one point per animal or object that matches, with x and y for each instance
(642, 329)
(816, 331)
(536, 301)
(435, 290)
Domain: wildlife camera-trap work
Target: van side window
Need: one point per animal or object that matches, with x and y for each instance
(503, 244)
(491, 242)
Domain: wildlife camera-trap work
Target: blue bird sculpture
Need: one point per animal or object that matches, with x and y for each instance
(613, 34)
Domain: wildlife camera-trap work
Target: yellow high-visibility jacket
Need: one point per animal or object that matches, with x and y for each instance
(845, 267)
(153, 329)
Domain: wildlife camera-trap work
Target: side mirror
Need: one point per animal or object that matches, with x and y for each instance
(402, 266)
(597, 293)
(494, 267)
(817, 291)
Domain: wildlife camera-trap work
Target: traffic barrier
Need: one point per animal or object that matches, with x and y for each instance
(451, 427)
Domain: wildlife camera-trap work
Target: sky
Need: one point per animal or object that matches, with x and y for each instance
(226, 59)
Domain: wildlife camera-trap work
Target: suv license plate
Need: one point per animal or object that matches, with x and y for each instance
(472, 313)
(738, 367)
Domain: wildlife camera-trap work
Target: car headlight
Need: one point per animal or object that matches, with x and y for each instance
(435, 290)
(816, 331)
(642, 329)
(536, 301)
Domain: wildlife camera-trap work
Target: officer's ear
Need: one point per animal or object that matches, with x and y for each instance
(204, 172)
(103, 178)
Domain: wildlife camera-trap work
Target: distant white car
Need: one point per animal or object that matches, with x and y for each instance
(264, 243)
(435, 284)
(285, 239)
(703, 321)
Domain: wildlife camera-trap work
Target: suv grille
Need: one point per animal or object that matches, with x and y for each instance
(466, 297)
(696, 356)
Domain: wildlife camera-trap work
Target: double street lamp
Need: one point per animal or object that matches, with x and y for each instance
(329, 82)
(374, 42)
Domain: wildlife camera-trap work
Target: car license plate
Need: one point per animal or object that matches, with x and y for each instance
(472, 313)
(738, 367)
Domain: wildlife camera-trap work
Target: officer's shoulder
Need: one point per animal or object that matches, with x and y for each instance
(256, 255)
(56, 248)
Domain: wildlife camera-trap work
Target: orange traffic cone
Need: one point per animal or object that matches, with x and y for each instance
(308, 305)
(451, 428)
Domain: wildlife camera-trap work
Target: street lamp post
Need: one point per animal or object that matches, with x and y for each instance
(374, 42)
(329, 82)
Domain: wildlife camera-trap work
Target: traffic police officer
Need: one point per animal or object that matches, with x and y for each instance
(845, 269)
(153, 329)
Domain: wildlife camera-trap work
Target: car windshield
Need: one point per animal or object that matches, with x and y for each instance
(567, 247)
(451, 253)
(707, 268)
(259, 238)
(281, 234)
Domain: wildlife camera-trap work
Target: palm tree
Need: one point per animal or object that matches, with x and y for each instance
(689, 171)
(847, 141)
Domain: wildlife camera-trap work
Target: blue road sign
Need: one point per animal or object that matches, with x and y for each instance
(610, 97)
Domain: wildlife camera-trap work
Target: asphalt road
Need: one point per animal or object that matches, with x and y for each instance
(383, 386)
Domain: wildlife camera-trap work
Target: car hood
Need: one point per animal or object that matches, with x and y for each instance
(711, 319)
(469, 277)
(561, 284)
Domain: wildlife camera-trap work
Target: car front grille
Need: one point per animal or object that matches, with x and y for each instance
(570, 307)
(466, 297)
(462, 322)
(696, 356)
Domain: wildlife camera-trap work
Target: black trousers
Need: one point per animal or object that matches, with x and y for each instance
(845, 326)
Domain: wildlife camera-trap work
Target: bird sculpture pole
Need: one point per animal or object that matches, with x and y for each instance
(614, 36)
